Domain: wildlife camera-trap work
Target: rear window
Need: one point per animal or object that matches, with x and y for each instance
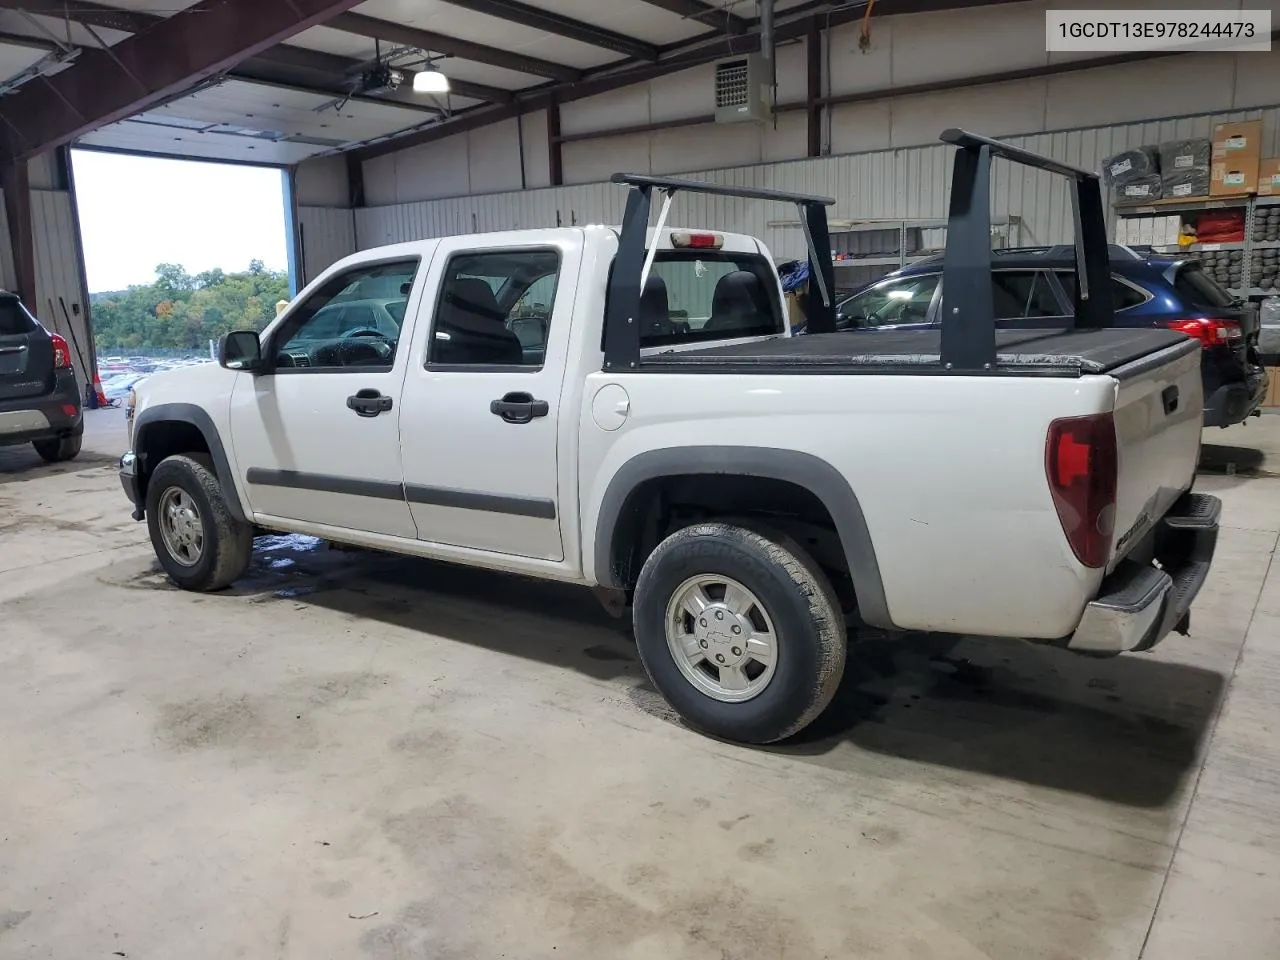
(694, 296)
(1123, 295)
(1195, 286)
(14, 320)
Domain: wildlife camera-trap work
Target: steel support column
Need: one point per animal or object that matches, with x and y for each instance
(17, 208)
(813, 90)
(110, 84)
(355, 181)
(555, 150)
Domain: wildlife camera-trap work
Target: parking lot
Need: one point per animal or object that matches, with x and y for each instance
(355, 755)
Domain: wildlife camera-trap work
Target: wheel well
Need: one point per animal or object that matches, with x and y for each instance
(165, 438)
(658, 507)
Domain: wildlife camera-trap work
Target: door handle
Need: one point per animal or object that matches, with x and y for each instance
(519, 408)
(368, 403)
(1169, 397)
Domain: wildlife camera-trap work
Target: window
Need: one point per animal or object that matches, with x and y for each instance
(1123, 294)
(1023, 293)
(14, 321)
(1198, 288)
(895, 302)
(353, 320)
(695, 296)
(495, 309)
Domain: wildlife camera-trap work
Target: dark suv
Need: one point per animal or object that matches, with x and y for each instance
(39, 399)
(1032, 285)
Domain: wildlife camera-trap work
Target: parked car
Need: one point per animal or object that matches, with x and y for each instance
(1033, 285)
(39, 396)
(669, 445)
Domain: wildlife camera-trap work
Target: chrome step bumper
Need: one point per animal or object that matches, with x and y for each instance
(1141, 602)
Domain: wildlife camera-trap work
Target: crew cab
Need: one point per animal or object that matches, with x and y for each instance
(626, 410)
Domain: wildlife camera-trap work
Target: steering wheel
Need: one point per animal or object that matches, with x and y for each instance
(384, 346)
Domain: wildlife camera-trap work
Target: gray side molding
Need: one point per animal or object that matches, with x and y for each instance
(804, 470)
(198, 418)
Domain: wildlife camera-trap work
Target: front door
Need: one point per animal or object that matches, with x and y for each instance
(317, 437)
(481, 414)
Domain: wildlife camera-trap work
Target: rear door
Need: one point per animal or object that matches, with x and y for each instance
(26, 352)
(479, 424)
(1026, 298)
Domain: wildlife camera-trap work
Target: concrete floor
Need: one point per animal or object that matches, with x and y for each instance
(355, 756)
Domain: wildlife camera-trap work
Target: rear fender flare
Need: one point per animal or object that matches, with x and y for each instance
(802, 469)
(200, 419)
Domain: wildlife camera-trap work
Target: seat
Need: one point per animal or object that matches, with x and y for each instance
(739, 303)
(655, 311)
(470, 329)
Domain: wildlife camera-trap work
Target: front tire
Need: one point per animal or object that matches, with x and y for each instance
(740, 631)
(58, 450)
(198, 543)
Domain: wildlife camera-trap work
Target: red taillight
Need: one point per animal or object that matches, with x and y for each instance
(1208, 330)
(61, 352)
(1080, 462)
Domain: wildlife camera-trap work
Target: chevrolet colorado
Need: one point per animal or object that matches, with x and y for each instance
(626, 410)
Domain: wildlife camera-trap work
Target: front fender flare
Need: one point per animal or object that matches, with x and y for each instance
(200, 419)
(802, 469)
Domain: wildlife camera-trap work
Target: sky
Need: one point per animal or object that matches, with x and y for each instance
(136, 212)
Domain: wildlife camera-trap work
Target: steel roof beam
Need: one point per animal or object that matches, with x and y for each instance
(279, 64)
(86, 12)
(407, 36)
(711, 14)
(105, 85)
(562, 26)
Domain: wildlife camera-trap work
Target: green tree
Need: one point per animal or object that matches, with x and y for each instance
(181, 312)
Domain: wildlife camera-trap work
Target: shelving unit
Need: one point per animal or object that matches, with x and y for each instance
(1248, 246)
(866, 250)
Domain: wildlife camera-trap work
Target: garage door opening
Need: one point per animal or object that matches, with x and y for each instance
(177, 253)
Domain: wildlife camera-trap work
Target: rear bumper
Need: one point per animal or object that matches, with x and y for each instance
(52, 416)
(1234, 402)
(1139, 603)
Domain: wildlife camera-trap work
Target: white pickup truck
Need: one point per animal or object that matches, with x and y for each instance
(626, 410)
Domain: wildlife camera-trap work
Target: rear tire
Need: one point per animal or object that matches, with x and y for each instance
(58, 450)
(773, 622)
(198, 543)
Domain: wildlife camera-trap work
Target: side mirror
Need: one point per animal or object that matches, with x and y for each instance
(240, 350)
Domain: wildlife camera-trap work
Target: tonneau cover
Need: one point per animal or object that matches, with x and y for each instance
(1046, 352)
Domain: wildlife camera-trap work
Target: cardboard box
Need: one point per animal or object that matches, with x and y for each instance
(1122, 230)
(1237, 150)
(1146, 231)
(1269, 177)
(1272, 399)
(1171, 227)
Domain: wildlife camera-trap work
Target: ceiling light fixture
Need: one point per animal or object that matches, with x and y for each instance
(430, 80)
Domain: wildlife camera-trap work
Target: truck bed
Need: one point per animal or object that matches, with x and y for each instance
(1052, 352)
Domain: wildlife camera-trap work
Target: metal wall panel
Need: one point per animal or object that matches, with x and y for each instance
(59, 274)
(328, 235)
(911, 183)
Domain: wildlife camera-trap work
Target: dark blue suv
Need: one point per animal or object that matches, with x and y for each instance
(1033, 284)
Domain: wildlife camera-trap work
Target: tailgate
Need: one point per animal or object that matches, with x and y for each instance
(26, 353)
(1158, 417)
